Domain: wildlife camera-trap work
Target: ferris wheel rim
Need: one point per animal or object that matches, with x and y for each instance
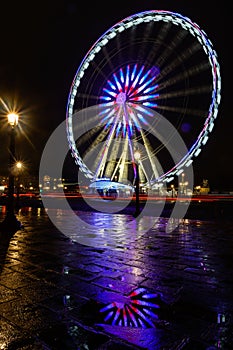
(135, 19)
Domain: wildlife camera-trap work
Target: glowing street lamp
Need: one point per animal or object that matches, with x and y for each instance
(13, 119)
(182, 184)
(137, 156)
(10, 223)
(19, 168)
(19, 165)
(172, 190)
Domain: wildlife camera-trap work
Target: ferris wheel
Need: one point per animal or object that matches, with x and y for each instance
(149, 67)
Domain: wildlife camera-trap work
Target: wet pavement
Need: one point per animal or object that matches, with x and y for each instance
(153, 290)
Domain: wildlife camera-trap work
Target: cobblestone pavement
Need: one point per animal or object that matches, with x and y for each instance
(155, 290)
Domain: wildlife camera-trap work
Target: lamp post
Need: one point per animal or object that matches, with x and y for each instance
(10, 222)
(18, 166)
(137, 157)
(182, 184)
(172, 190)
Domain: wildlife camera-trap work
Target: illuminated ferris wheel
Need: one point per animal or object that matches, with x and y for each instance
(150, 67)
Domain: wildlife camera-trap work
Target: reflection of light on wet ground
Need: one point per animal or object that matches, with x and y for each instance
(138, 309)
(23, 211)
(101, 229)
(31, 211)
(190, 267)
(3, 209)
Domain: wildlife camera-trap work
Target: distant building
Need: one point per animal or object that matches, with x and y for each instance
(204, 188)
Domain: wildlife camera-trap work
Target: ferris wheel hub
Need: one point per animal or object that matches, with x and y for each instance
(121, 98)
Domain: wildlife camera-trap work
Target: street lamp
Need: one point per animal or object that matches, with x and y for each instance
(137, 156)
(172, 190)
(10, 223)
(19, 167)
(182, 184)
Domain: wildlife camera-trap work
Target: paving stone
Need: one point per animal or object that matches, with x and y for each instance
(52, 288)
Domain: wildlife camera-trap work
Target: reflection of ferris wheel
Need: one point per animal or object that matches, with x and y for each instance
(151, 64)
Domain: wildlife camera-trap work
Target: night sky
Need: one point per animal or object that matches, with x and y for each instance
(42, 46)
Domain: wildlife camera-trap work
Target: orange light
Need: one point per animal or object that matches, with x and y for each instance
(13, 119)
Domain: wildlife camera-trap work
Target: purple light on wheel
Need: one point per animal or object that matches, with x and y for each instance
(127, 92)
(137, 84)
(185, 127)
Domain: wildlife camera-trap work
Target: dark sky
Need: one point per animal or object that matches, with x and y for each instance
(42, 45)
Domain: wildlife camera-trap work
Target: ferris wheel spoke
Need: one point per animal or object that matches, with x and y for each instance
(146, 144)
(177, 62)
(100, 167)
(112, 161)
(184, 110)
(194, 70)
(188, 92)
